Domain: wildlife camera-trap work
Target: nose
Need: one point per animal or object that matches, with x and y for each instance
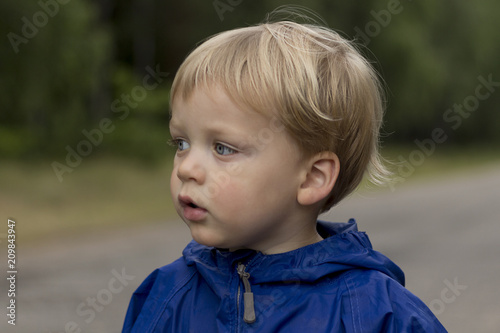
(190, 167)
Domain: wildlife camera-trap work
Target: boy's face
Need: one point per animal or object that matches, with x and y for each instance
(236, 174)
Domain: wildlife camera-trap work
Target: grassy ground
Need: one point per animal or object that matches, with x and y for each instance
(100, 193)
(110, 193)
(407, 161)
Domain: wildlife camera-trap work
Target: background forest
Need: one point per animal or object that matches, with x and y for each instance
(67, 65)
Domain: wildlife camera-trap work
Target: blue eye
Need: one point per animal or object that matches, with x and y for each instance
(224, 150)
(181, 144)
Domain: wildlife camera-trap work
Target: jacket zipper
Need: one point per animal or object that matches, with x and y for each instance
(249, 310)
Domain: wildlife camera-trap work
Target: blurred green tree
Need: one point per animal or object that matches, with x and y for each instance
(62, 69)
(54, 82)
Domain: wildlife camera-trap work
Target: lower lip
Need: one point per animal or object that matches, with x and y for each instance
(194, 214)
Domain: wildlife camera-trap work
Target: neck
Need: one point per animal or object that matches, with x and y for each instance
(302, 237)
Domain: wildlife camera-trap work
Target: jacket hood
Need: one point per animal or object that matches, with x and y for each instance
(343, 248)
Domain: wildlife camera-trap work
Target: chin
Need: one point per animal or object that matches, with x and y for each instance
(207, 239)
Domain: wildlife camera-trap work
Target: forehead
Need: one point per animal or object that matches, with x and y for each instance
(210, 104)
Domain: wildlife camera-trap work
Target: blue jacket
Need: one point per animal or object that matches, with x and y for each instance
(337, 285)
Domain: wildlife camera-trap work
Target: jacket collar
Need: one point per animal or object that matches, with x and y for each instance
(344, 248)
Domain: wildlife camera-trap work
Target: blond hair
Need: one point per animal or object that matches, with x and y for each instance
(327, 95)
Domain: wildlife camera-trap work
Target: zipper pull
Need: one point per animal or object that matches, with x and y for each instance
(249, 312)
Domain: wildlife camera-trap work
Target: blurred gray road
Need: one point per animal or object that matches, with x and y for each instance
(444, 233)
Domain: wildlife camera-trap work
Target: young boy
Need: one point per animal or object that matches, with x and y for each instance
(273, 125)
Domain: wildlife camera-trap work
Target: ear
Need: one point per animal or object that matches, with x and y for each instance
(321, 174)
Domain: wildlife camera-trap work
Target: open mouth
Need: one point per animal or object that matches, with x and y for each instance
(192, 205)
(186, 201)
(190, 210)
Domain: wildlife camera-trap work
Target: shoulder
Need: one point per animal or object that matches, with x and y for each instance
(158, 288)
(376, 301)
(172, 275)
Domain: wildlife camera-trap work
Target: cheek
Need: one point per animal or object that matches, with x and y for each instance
(238, 196)
(228, 194)
(233, 198)
(174, 183)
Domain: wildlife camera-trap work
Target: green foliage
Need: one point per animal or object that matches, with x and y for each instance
(65, 77)
(52, 80)
(432, 54)
(143, 133)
